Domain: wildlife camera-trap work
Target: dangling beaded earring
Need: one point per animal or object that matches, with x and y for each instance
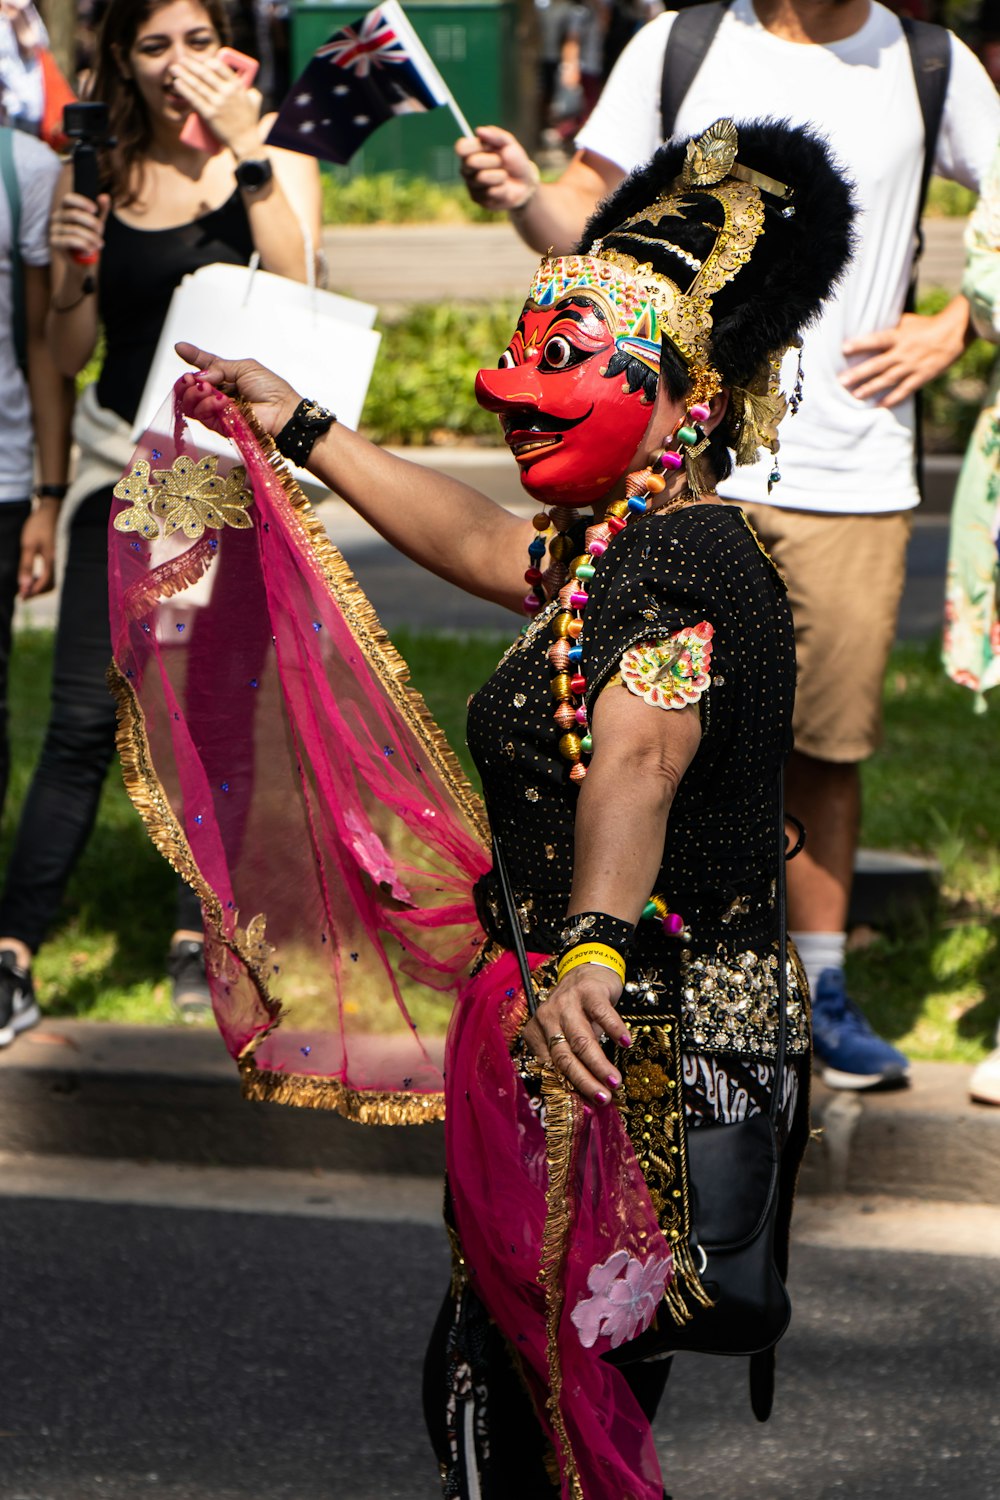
(795, 400)
(695, 441)
(775, 475)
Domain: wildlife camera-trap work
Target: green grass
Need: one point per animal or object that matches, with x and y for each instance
(934, 789)
(934, 986)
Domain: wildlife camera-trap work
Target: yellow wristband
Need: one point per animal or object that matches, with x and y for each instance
(591, 953)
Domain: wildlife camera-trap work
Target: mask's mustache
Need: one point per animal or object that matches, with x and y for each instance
(529, 419)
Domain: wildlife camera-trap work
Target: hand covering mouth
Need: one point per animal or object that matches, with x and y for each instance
(528, 433)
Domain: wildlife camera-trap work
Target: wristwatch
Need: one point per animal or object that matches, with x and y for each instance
(254, 173)
(308, 422)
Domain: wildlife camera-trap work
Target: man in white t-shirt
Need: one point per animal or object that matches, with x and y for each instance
(838, 522)
(34, 412)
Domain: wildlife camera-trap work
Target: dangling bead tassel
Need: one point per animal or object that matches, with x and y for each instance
(559, 549)
(544, 584)
(775, 475)
(795, 401)
(534, 600)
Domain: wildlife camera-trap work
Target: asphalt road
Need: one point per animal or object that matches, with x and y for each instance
(154, 1353)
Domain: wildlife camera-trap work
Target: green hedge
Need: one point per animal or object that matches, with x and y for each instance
(398, 198)
(422, 388)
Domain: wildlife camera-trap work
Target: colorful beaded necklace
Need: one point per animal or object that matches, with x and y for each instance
(568, 577)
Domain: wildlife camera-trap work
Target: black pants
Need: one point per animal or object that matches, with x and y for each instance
(62, 801)
(13, 515)
(468, 1360)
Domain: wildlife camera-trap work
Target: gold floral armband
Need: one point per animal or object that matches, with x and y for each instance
(591, 953)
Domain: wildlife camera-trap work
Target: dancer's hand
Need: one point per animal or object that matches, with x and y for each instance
(273, 399)
(566, 1027)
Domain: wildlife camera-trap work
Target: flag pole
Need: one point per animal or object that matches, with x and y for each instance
(459, 118)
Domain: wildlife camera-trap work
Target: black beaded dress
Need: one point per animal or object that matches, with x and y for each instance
(666, 573)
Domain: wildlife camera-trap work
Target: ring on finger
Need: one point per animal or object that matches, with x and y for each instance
(556, 1036)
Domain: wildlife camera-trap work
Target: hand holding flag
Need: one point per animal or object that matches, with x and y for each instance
(367, 73)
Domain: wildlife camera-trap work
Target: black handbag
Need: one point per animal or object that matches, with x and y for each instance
(734, 1173)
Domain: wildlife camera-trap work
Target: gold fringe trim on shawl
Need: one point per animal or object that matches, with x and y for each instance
(383, 658)
(168, 579)
(150, 801)
(308, 1092)
(560, 1101)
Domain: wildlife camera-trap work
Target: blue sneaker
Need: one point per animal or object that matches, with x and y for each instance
(853, 1057)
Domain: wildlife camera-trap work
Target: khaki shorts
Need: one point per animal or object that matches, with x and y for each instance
(845, 576)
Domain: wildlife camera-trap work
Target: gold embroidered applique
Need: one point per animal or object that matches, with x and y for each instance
(652, 1109)
(137, 489)
(187, 497)
(194, 495)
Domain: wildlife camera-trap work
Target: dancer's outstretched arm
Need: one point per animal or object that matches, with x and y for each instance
(446, 526)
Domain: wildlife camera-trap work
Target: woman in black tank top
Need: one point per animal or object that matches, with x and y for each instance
(140, 268)
(167, 210)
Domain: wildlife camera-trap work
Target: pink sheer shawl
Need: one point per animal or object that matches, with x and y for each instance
(561, 1240)
(284, 767)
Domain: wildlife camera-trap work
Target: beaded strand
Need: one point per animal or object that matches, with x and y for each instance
(568, 580)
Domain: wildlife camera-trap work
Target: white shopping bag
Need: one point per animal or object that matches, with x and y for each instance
(321, 343)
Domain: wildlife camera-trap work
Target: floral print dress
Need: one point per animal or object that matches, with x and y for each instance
(972, 626)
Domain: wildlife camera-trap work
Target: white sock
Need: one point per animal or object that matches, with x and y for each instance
(819, 951)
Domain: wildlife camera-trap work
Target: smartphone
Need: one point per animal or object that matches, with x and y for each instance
(196, 133)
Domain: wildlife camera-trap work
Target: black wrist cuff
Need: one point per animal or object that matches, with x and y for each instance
(308, 422)
(595, 927)
(51, 491)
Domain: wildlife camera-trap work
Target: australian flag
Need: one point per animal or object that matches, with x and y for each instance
(367, 73)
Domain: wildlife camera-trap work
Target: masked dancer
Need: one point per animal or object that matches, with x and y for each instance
(630, 745)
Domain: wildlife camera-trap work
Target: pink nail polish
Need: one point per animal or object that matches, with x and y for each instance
(601, 1097)
(625, 1040)
(614, 1080)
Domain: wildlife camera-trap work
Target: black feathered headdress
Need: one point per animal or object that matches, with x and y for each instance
(736, 238)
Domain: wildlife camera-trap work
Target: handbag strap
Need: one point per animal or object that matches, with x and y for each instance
(500, 866)
(782, 904)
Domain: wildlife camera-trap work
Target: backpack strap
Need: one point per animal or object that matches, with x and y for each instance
(691, 35)
(930, 57)
(8, 173)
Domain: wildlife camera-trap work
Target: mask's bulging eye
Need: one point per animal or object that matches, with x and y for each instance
(506, 361)
(558, 352)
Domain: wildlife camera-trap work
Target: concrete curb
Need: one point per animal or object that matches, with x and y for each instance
(171, 1095)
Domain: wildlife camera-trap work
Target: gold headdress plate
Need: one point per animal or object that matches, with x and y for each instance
(710, 169)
